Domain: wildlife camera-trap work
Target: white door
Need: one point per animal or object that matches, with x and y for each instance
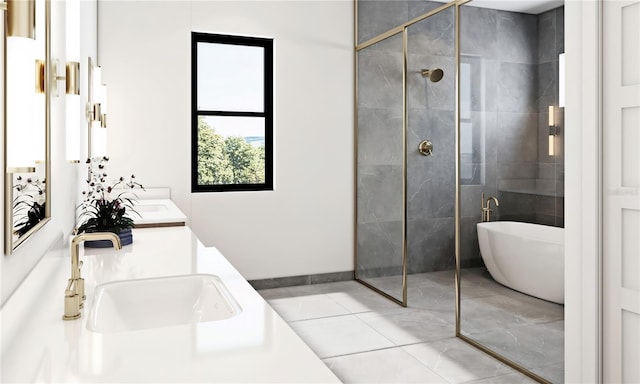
(621, 185)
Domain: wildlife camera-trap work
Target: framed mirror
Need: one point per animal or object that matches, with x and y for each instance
(26, 119)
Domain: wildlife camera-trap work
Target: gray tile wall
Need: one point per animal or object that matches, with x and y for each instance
(514, 65)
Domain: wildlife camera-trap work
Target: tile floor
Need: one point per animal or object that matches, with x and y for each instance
(363, 337)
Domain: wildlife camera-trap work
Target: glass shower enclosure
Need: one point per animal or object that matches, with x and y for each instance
(406, 151)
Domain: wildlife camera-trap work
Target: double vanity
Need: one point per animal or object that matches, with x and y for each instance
(163, 309)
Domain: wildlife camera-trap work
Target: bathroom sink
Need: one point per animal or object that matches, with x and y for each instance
(160, 302)
(141, 208)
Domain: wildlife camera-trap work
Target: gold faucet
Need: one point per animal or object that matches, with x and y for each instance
(486, 207)
(74, 293)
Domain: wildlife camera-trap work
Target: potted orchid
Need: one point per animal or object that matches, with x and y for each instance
(105, 204)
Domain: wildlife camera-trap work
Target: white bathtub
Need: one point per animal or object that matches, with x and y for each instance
(526, 257)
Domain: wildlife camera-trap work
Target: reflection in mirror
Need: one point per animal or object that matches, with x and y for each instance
(26, 124)
(96, 112)
(511, 279)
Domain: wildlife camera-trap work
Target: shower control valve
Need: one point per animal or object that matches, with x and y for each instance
(425, 148)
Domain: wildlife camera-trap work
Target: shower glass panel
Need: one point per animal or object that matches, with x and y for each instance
(508, 82)
(380, 166)
(406, 161)
(431, 179)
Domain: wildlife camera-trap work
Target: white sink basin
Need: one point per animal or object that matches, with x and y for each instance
(160, 302)
(141, 208)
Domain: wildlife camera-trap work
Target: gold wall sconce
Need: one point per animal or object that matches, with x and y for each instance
(21, 18)
(554, 130)
(71, 78)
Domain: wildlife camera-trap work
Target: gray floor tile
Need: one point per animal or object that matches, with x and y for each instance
(341, 335)
(457, 361)
(357, 331)
(513, 378)
(532, 346)
(385, 366)
(554, 373)
(409, 327)
(307, 307)
(357, 302)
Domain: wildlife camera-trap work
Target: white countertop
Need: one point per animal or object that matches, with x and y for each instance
(254, 346)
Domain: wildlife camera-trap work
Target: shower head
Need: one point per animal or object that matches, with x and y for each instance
(434, 75)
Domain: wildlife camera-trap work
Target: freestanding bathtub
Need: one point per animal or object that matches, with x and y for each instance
(526, 257)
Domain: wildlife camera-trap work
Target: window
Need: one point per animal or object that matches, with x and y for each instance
(231, 113)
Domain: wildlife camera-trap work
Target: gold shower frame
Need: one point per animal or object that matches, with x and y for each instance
(358, 47)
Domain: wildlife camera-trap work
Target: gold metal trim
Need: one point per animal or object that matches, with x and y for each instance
(47, 110)
(379, 291)
(457, 277)
(503, 359)
(405, 117)
(12, 170)
(44, 74)
(355, 142)
(401, 27)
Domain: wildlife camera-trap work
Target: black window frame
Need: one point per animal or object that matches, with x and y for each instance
(267, 114)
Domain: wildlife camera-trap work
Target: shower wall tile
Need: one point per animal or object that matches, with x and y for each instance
(469, 248)
(379, 194)
(517, 87)
(479, 32)
(516, 207)
(482, 84)
(421, 92)
(379, 136)
(431, 179)
(547, 36)
(517, 37)
(419, 8)
(517, 138)
(547, 85)
(546, 171)
(432, 196)
(485, 132)
(378, 16)
(559, 30)
(431, 245)
(435, 35)
(517, 171)
(380, 79)
(379, 247)
(435, 125)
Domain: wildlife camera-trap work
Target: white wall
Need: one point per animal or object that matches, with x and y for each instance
(306, 225)
(63, 181)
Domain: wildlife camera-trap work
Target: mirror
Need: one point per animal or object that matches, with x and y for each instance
(511, 290)
(26, 119)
